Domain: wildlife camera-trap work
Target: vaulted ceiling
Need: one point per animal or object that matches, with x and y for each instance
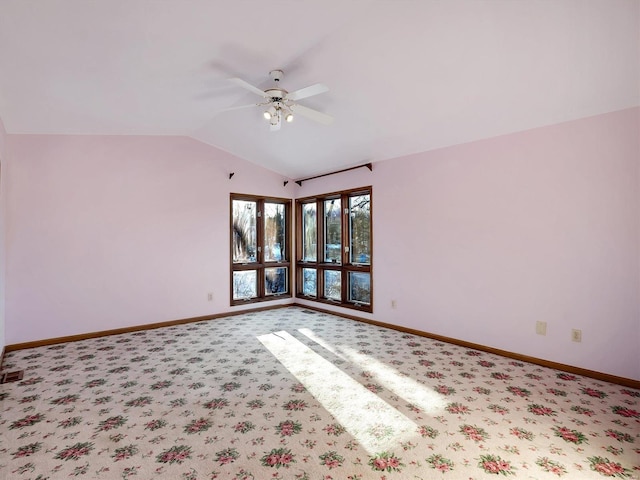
(404, 76)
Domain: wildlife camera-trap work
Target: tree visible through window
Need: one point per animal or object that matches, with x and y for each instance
(260, 250)
(334, 248)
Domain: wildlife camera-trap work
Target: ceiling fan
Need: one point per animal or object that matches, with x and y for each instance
(280, 104)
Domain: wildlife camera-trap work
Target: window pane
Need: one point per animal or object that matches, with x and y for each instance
(244, 231)
(274, 232)
(332, 231)
(309, 282)
(309, 235)
(332, 284)
(360, 287)
(360, 228)
(245, 284)
(275, 281)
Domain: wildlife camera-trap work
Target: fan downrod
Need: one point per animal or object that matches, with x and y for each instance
(276, 75)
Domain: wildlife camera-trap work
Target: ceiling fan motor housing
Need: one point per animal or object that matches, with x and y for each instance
(276, 94)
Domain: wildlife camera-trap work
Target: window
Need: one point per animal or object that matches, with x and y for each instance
(260, 251)
(333, 248)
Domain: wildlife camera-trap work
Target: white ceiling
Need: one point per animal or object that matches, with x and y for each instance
(404, 75)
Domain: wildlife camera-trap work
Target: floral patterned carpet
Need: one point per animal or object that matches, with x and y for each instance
(296, 394)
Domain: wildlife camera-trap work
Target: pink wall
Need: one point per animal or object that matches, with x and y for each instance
(476, 242)
(110, 232)
(3, 139)
(3, 196)
(480, 241)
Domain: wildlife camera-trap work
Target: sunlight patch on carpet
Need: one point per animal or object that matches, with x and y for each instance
(307, 332)
(427, 400)
(375, 424)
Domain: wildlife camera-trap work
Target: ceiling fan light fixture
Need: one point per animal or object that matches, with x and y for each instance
(269, 113)
(289, 117)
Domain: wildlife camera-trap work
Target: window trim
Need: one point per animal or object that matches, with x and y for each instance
(345, 267)
(260, 265)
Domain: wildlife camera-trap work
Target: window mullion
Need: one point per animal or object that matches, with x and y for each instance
(320, 247)
(260, 242)
(320, 282)
(345, 235)
(344, 201)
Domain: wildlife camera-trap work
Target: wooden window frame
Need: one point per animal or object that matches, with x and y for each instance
(320, 265)
(260, 264)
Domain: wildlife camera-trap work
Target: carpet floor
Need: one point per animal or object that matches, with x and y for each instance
(296, 394)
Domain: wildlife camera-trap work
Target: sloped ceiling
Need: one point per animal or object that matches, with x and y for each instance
(404, 75)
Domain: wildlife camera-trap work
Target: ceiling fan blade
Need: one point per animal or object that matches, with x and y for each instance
(308, 92)
(239, 107)
(312, 114)
(248, 86)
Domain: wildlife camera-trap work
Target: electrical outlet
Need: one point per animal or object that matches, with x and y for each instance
(393, 304)
(576, 335)
(541, 328)
(210, 296)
